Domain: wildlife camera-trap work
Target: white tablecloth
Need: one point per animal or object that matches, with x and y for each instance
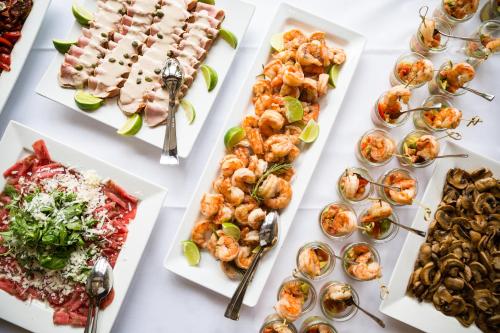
(159, 301)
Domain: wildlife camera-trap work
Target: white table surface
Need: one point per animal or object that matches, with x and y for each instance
(159, 301)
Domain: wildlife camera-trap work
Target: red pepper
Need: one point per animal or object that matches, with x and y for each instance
(5, 59)
(12, 36)
(5, 41)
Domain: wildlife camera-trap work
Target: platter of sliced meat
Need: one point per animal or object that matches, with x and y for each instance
(115, 60)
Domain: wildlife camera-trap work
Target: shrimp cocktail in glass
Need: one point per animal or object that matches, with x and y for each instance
(388, 108)
(316, 324)
(315, 260)
(418, 149)
(376, 222)
(335, 301)
(375, 148)
(488, 43)
(451, 77)
(296, 296)
(354, 185)
(361, 261)
(447, 117)
(337, 221)
(456, 11)
(428, 38)
(412, 70)
(402, 179)
(275, 324)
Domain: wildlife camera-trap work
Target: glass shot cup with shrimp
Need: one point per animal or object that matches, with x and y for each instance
(337, 221)
(447, 117)
(375, 222)
(488, 44)
(401, 178)
(334, 300)
(418, 149)
(353, 185)
(296, 296)
(316, 324)
(456, 11)
(427, 39)
(451, 77)
(376, 147)
(361, 261)
(387, 110)
(275, 324)
(315, 260)
(412, 70)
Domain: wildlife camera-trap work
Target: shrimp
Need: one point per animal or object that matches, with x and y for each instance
(293, 75)
(282, 195)
(377, 211)
(232, 195)
(225, 214)
(287, 90)
(242, 178)
(211, 204)
(285, 56)
(255, 218)
(317, 35)
(277, 328)
(427, 147)
(231, 271)
(337, 55)
(270, 122)
(242, 151)
(242, 212)
(416, 72)
(309, 262)
(407, 191)
(229, 164)
(279, 147)
(322, 84)
(269, 187)
(290, 300)
(460, 8)
(493, 45)
(446, 117)
(350, 185)
(249, 237)
(263, 103)
(227, 248)
(428, 32)
(391, 101)
(244, 257)
(313, 53)
(457, 76)
(309, 90)
(273, 69)
(202, 232)
(377, 147)
(262, 88)
(336, 221)
(366, 271)
(212, 242)
(257, 166)
(293, 133)
(293, 39)
(311, 111)
(250, 125)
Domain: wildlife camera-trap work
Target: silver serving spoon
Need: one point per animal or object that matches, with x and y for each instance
(410, 229)
(99, 285)
(452, 155)
(268, 236)
(172, 77)
(486, 96)
(379, 321)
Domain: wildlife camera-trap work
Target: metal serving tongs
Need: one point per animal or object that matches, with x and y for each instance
(172, 77)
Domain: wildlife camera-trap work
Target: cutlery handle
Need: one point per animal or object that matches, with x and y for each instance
(90, 316)
(375, 318)
(486, 96)
(169, 152)
(233, 308)
(418, 232)
(94, 322)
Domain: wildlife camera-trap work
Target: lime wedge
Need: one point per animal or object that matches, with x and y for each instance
(333, 75)
(229, 37)
(63, 45)
(277, 42)
(131, 126)
(210, 2)
(191, 252)
(304, 287)
(188, 110)
(294, 110)
(310, 132)
(231, 230)
(86, 101)
(82, 15)
(233, 136)
(210, 76)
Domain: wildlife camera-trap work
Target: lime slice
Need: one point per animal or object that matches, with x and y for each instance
(82, 15)
(188, 110)
(277, 42)
(233, 136)
(333, 75)
(310, 132)
(63, 45)
(210, 76)
(210, 2)
(131, 126)
(231, 230)
(86, 101)
(229, 37)
(294, 110)
(191, 252)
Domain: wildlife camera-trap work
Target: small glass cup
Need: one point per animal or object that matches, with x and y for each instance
(417, 43)
(323, 216)
(361, 148)
(436, 85)
(384, 179)
(395, 79)
(311, 296)
(388, 229)
(477, 52)
(338, 311)
(274, 319)
(401, 151)
(328, 262)
(379, 120)
(421, 122)
(346, 258)
(314, 323)
(443, 12)
(490, 10)
(368, 188)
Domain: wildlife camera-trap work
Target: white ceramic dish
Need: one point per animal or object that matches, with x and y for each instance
(399, 305)
(36, 316)
(208, 273)
(220, 57)
(22, 48)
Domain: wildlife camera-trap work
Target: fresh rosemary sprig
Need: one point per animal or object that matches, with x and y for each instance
(277, 169)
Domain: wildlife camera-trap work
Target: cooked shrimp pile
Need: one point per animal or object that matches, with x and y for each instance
(389, 106)
(407, 187)
(455, 76)
(352, 186)
(337, 221)
(367, 268)
(460, 8)
(416, 72)
(377, 148)
(421, 149)
(430, 36)
(255, 173)
(291, 300)
(446, 117)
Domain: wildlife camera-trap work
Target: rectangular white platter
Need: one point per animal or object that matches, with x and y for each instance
(220, 57)
(398, 304)
(37, 316)
(208, 273)
(22, 49)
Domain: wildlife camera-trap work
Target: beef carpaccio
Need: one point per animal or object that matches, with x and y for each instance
(55, 222)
